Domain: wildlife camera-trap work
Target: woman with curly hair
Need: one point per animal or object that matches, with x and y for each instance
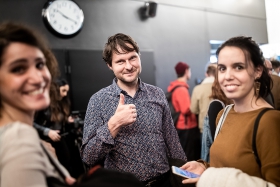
(26, 70)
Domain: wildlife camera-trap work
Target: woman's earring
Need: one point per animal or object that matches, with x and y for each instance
(257, 86)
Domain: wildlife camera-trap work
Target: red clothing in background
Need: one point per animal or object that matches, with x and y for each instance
(181, 102)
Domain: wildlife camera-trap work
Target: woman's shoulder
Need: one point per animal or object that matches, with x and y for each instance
(271, 116)
(17, 127)
(18, 133)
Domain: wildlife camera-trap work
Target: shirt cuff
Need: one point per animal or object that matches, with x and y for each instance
(46, 131)
(105, 135)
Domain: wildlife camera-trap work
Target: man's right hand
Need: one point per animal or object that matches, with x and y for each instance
(124, 115)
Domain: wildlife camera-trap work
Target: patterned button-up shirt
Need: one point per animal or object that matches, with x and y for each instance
(141, 148)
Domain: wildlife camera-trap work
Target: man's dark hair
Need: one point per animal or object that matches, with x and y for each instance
(122, 41)
(252, 52)
(275, 64)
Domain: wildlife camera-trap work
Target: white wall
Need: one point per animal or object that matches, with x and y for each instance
(272, 8)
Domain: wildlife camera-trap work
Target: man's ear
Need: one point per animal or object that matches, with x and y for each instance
(109, 66)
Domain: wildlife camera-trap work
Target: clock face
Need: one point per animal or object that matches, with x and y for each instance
(63, 17)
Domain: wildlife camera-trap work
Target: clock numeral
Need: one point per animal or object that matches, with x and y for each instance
(65, 28)
(78, 17)
(52, 15)
(58, 5)
(54, 22)
(60, 27)
(64, 4)
(72, 27)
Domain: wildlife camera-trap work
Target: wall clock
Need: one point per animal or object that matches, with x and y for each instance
(63, 18)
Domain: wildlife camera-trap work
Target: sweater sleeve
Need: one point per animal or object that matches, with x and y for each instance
(230, 177)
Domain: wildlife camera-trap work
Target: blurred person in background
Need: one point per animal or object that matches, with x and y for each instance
(200, 98)
(275, 67)
(275, 90)
(57, 118)
(186, 125)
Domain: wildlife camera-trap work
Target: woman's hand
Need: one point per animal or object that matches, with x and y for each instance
(70, 119)
(70, 180)
(194, 167)
(54, 135)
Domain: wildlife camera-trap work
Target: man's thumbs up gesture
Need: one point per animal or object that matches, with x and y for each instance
(124, 115)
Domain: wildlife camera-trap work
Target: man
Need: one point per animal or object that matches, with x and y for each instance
(276, 85)
(187, 124)
(275, 67)
(128, 124)
(200, 96)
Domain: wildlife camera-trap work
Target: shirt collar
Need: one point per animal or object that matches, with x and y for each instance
(118, 90)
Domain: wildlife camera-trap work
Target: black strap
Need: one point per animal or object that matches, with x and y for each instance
(254, 146)
(177, 87)
(53, 163)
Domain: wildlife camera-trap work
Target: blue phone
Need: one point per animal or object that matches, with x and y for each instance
(184, 173)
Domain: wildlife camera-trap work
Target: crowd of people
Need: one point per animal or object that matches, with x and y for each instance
(227, 131)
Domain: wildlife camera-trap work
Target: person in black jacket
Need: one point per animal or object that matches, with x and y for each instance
(53, 121)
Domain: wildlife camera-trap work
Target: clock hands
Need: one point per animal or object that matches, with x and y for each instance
(66, 16)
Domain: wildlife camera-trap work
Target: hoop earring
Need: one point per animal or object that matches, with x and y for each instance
(257, 86)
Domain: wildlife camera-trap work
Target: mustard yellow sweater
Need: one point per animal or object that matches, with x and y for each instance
(233, 145)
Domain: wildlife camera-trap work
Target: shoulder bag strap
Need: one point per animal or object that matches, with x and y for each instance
(256, 125)
(53, 162)
(177, 87)
(222, 119)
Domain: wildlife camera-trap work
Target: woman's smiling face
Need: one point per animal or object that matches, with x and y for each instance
(24, 78)
(236, 74)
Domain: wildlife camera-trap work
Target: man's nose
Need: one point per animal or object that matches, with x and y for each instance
(128, 64)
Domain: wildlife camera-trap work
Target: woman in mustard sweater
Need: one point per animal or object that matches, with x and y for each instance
(244, 79)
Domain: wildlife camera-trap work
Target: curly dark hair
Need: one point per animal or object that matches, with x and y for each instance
(118, 40)
(11, 32)
(252, 52)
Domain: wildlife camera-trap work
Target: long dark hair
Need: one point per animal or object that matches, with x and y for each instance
(60, 107)
(11, 32)
(252, 52)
